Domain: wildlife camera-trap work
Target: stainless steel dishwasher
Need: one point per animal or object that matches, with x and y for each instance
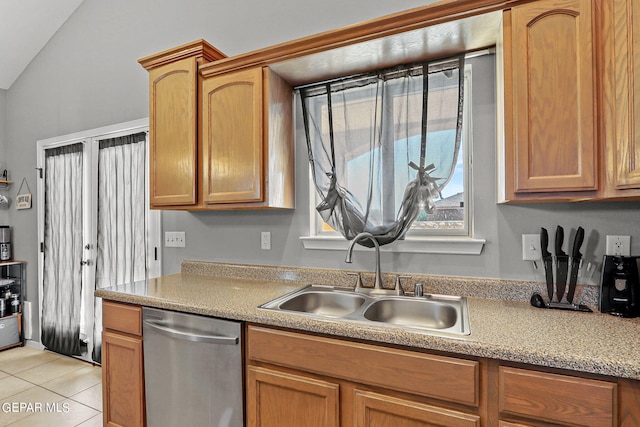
(192, 370)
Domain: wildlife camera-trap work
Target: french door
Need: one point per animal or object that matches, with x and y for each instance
(95, 230)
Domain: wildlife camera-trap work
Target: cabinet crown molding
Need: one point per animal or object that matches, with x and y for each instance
(197, 49)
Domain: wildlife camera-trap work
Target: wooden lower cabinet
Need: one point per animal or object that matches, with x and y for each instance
(378, 410)
(295, 379)
(442, 378)
(299, 379)
(629, 402)
(122, 366)
(286, 400)
(556, 398)
(510, 424)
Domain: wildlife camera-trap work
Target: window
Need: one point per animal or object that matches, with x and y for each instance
(449, 227)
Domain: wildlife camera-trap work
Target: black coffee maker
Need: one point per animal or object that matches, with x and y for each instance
(620, 286)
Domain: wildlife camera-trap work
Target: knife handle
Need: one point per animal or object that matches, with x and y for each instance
(559, 241)
(544, 242)
(577, 243)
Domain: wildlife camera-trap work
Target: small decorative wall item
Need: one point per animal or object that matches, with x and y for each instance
(23, 200)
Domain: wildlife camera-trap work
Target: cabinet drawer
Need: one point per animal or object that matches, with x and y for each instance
(378, 409)
(448, 378)
(557, 398)
(122, 317)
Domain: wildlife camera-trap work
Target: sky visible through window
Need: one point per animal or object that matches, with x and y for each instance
(439, 152)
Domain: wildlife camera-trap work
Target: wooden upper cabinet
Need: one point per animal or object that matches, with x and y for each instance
(233, 144)
(173, 122)
(247, 156)
(172, 91)
(622, 98)
(550, 105)
(222, 141)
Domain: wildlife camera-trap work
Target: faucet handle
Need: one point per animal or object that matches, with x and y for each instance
(398, 285)
(358, 280)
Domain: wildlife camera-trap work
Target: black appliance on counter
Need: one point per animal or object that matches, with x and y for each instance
(5, 243)
(620, 286)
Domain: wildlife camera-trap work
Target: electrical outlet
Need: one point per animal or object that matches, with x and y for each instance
(531, 247)
(265, 240)
(174, 239)
(618, 245)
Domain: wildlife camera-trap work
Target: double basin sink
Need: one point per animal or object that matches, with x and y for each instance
(442, 314)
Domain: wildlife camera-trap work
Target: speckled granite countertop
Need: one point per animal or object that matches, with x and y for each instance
(510, 330)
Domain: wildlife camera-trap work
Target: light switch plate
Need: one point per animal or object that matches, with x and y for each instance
(174, 239)
(531, 247)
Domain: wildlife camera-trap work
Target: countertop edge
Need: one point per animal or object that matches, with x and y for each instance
(465, 346)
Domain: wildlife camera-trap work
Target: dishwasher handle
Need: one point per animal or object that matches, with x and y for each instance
(190, 336)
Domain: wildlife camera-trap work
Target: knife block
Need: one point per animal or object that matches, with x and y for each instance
(585, 275)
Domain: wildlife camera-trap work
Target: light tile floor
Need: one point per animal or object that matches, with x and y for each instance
(41, 388)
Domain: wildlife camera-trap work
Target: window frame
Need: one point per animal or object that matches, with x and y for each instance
(416, 241)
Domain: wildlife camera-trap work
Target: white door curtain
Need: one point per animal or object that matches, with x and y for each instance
(63, 242)
(71, 316)
(122, 224)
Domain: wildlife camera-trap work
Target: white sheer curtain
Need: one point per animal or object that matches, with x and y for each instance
(62, 249)
(122, 226)
(382, 145)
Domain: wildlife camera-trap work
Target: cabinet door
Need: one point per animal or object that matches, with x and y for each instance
(556, 398)
(377, 410)
(122, 380)
(278, 399)
(232, 146)
(551, 129)
(173, 133)
(629, 409)
(623, 149)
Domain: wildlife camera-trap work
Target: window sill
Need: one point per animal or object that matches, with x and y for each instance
(424, 245)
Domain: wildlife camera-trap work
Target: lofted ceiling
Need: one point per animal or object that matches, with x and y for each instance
(25, 28)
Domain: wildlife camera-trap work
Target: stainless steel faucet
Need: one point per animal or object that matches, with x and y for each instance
(366, 235)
